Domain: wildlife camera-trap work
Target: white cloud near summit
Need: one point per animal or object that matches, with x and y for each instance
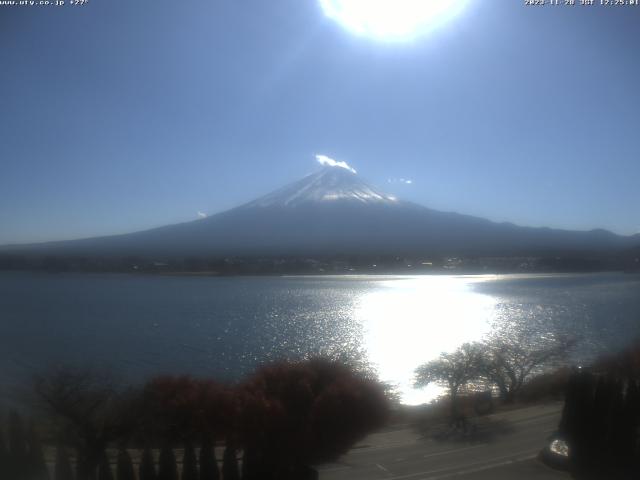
(330, 162)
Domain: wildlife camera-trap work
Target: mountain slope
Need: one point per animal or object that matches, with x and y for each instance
(331, 184)
(334, 211)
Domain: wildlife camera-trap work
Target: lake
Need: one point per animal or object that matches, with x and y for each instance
(139, 325)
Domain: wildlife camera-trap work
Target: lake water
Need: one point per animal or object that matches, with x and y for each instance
(144, 325)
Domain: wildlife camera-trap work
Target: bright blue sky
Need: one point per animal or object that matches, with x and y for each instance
(122, 115)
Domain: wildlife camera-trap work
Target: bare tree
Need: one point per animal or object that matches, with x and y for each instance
(89, 411)
(451, 370)
(516, 352)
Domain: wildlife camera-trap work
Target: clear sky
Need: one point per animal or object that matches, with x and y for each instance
(122, 115)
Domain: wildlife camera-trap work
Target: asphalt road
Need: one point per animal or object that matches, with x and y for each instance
(505, 446)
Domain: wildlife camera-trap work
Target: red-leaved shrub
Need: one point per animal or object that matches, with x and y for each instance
(178, 408)
(298, 414)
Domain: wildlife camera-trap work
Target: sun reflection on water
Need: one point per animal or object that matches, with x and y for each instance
(411, 320)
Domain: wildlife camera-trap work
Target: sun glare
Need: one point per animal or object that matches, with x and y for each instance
(410, 321)
(391, 19)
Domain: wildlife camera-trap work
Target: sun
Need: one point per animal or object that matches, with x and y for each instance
(391, 19)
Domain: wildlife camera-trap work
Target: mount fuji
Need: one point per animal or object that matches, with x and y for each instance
(334, 211)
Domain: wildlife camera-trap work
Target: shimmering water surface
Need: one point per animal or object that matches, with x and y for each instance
(143, 325)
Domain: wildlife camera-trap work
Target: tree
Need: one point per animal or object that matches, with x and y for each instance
(451, 370)
(601, 416)
(576, 422)
(124, 467)
(298, 414)
(62, 469)
(178, 408)
(4, 457)
(208, 463)
(625, 364)
(230, 469)
(36, 463)
(17, 445)
(104, 468)
(515, 352)
(167, 467)
(252, 464)
(89, 410)
(147, 469)
(189, 463)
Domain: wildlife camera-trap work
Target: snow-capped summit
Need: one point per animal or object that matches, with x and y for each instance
(334, 182)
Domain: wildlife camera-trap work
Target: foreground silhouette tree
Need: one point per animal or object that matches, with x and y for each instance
(62, 469)
(89, 411)
(17, 436)
(189, 463)
(575, 422)
(230, 469)
(598, 430)
(147, 469)
(172, 407)
(124, 467)
(18, 457)
(299, 414)
(208, 463)
(615, 438)
(86, 463)
(624, 433)
(633, 415)
(252, 465)
(625, 364)
(167, 468)
(4, 457)
(451, 370)
(184, 408)
(36, 464)
(104, 468)
(600, 423)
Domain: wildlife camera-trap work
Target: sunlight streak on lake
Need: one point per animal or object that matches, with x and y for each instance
(409, 321)
(138, 326)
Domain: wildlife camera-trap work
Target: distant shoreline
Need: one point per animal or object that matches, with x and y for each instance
(440, 273)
